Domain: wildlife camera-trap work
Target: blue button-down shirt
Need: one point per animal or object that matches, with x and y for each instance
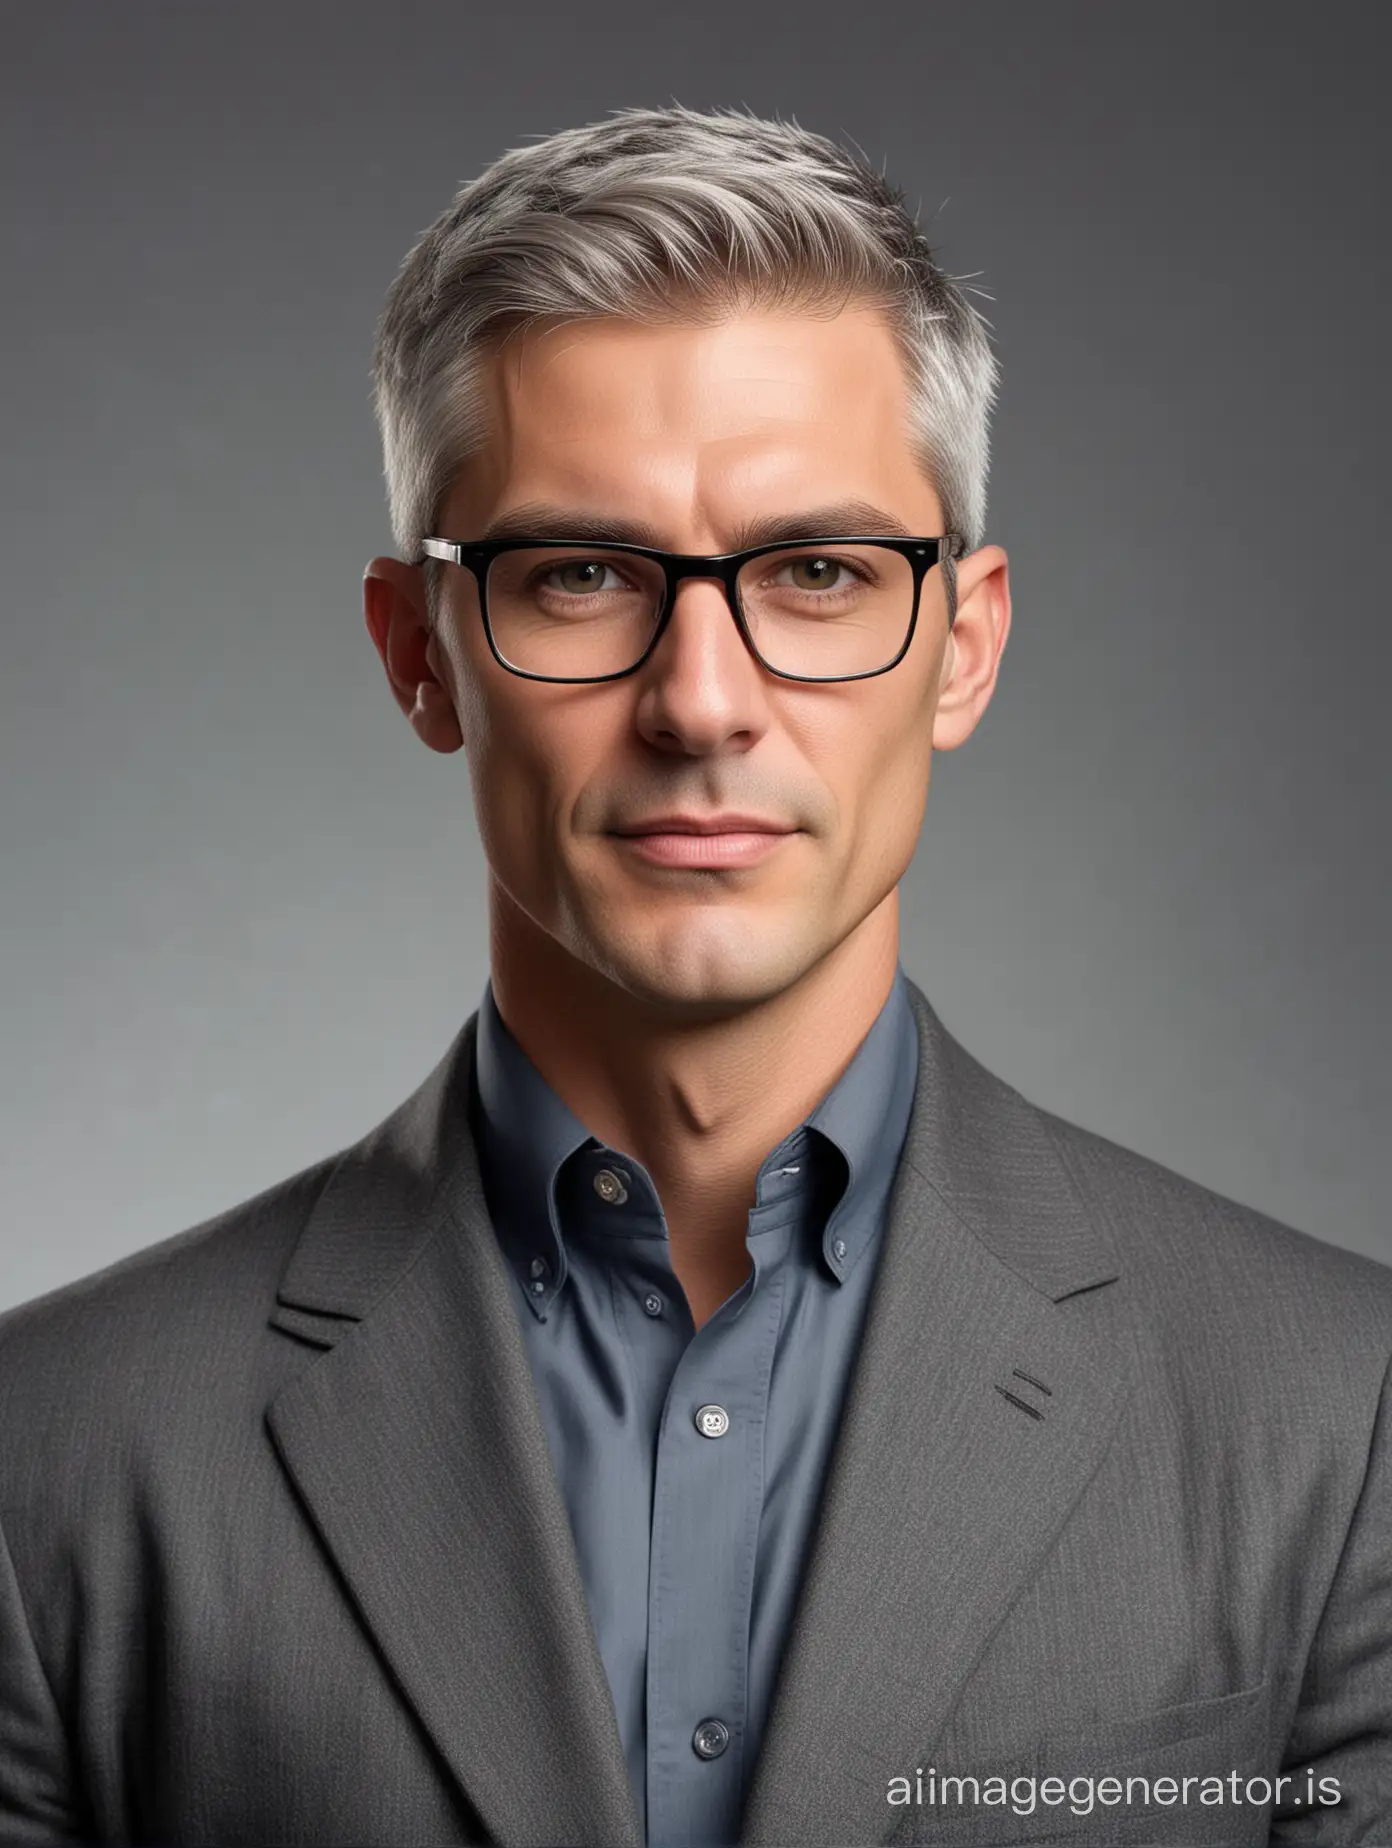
(691, 1460)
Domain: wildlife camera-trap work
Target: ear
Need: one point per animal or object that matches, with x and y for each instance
(398, 621)
(975, 643)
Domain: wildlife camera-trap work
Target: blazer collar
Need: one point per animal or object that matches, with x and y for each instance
(977, 1412)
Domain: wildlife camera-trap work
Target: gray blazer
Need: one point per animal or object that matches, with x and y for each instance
(287, 1562)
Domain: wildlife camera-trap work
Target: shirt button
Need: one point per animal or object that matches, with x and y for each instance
(610, 1188)
(652, 1303)
(710, 1738)
(538, 1267)
(840, 1247)
(713, 1421)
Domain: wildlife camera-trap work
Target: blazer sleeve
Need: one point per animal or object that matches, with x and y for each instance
(1343, 1724)
(36, 1804)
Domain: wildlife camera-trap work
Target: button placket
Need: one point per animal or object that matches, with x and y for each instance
(707, 1501)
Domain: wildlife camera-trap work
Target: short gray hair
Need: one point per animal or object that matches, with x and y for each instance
(663, 214)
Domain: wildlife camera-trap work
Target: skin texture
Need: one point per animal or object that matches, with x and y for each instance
(693, 1019)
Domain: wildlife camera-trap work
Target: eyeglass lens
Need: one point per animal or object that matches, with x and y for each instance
(582, 611)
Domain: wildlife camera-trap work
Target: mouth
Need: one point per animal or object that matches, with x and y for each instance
(706, 852)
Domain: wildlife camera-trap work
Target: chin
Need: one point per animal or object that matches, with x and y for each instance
(705, 973)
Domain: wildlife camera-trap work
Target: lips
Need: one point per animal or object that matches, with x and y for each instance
(707, 852)
(705, 824)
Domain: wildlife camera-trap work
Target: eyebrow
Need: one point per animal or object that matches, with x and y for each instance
(848, 518)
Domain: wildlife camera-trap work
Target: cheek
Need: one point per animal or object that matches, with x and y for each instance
(859, 747)
(510, 801)
(525, 771)
(503, 807)
(892, 791)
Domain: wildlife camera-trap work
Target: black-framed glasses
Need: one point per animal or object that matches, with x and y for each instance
(814, 610)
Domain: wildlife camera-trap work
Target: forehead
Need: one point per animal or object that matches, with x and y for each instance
(758, 404)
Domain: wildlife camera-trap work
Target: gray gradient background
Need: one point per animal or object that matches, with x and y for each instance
(243, 908)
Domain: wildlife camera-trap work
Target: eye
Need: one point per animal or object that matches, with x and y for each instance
(815, 572)
(818, 575)
(577, 576)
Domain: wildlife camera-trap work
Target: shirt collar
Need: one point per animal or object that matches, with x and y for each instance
(836, 1167)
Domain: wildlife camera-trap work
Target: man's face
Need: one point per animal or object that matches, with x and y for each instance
(695, 431)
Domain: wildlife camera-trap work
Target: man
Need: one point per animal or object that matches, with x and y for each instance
(713, 1408)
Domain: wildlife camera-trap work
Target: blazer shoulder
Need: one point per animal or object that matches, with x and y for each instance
(1190, 1249)
(167, 1297)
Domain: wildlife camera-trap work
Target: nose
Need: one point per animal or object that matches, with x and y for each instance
(712, 595)
(696, 599)
(706, 687)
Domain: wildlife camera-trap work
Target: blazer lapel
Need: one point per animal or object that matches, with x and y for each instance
(977, 1413)
(417, 1445)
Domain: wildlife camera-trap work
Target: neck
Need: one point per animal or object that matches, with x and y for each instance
(698, 1098)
